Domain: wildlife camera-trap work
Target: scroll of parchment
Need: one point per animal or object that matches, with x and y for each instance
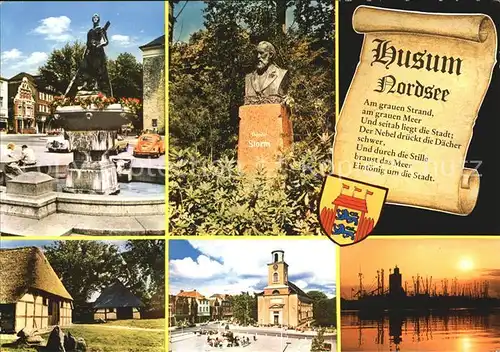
(409, 114)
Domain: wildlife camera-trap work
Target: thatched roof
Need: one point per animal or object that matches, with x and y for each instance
(117, 296)
(22, 269)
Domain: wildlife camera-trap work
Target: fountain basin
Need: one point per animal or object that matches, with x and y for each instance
(137, 199)
(91, 132)
(77, 118)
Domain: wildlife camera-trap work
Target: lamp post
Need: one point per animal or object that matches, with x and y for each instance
(281, 338)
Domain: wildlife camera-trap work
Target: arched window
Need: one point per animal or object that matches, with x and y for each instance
(275, 277)
(275, 257)
(276, 292)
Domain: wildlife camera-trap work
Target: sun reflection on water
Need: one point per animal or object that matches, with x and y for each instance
(466, 344)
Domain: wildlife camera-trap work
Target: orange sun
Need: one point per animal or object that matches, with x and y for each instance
(465, 264)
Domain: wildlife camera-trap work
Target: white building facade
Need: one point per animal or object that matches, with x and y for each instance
(4, 105)
(203, 309)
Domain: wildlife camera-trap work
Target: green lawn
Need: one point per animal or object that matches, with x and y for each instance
(100, 339)
(140, 323)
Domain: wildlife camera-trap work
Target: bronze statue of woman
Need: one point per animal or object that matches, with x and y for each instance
(93, 71)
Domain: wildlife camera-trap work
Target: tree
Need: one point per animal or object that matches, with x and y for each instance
(125, 73)
(318, 341)
(85, 267)
(207, 74)
(324, 309)
(126, 76)
(317, 295)
(244, 308)
(146, 259)
(62, 65)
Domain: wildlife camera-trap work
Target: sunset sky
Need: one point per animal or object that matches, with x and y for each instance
(466, 259)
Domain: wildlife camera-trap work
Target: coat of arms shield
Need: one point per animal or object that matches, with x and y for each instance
(349, 209)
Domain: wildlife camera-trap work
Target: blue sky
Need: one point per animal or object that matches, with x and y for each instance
(191, 19)
(232, 266)
(46, 25)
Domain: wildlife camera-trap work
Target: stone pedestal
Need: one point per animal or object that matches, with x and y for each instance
(123, 169)
(91, 133)
(30, 184)
(265, 132)
(29, 195)
(91, 172)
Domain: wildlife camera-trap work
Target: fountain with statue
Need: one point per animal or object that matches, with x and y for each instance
(91, 118)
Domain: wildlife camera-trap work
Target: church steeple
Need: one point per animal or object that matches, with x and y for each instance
(277, 269)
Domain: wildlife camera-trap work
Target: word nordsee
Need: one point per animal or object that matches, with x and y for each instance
(387, 55)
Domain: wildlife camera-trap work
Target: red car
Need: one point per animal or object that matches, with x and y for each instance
(149, 144)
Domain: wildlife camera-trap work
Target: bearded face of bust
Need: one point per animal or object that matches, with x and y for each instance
(264, 58)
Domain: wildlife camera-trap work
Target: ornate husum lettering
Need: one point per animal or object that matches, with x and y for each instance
(387, 55)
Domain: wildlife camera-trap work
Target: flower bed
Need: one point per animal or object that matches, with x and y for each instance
(100, 101)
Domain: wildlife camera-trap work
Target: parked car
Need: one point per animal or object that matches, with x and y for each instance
(58, 145)
(121, 145)
(149, 144)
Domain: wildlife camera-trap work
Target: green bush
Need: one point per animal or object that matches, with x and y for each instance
(318, 341)
(212, 197)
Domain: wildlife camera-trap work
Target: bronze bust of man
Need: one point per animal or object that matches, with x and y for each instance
(268, 84)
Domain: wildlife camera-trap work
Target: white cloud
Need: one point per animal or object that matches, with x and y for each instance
(302, 284)
(14, 61)
(203, 267)
(11, 54)
(124, 41)
(55, 28)
(36, 58)
(244, 265)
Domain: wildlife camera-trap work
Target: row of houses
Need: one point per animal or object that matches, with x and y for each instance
(25, 99)
(25, 103)
(193, 307)
(32, 295)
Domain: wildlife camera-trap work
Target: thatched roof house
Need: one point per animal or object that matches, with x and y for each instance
(31, 294)
(117, 302)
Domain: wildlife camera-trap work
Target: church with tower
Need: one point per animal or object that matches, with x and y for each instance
(282, 302)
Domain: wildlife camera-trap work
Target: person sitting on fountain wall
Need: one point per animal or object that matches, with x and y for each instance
(12, 167)
(27, 156)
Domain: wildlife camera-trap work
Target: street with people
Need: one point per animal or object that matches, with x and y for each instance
(215, 336)
(37, 143)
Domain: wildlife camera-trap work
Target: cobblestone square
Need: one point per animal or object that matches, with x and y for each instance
(263, 344)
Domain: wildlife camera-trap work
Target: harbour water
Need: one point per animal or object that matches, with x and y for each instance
(459, 330)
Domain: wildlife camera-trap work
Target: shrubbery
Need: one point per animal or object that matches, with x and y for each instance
(213, 197)
(208, 194)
